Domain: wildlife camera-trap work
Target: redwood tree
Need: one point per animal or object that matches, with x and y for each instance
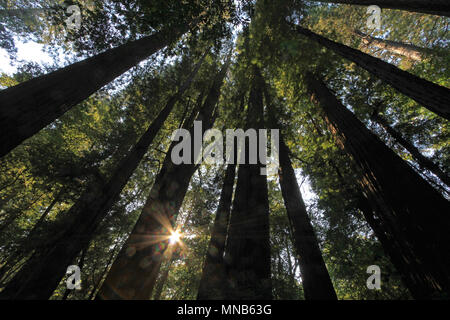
(42, 273)
(30, 106)
(247, 254)
(134, 272)
(423, 161)
(317, 284)
(213, 274)
(399, 196)
(434, 97)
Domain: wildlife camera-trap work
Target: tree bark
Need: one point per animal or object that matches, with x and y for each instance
(436, 7)
(248, 248)
(40, 276)
(317, 284)
(408, 50)
(27, 108)
(397, 193)
(213, 275)
(134, 272)
(423, 161)
(434, 97)
(399, 252)
(395, 246)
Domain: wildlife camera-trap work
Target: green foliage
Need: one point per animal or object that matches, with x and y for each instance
(49, 171)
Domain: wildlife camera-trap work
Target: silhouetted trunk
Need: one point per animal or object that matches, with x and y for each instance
(80, 265)
(395, 246)
(108, 264)
(213, 275)
(398, 250)
(162, 281)
(30, 106)
(317, 284)
(408, 50)
(40, 276)
(395, 191)
(13, 259)
(134, 272)
(437, 7)
(248, 249)
(423, 161)
(44, 215)
(434, 97)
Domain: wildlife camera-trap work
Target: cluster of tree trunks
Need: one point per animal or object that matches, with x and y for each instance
(416, 214)
(247, 253)
(134, 272)
(213, 275)
(408, 216)
(42, 273)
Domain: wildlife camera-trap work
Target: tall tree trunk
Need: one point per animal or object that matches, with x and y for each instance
(408, 50)
(395, 246)
(432, 96)
(44, 215)
(30, 106)
(40, 276)
(397, 193)
(248, 247)
(134, 272)
(317, 284)
(108, 264)
(423, 161)
(399, 252)
(18, 254)
(213, 275)
(80, 265)
(437, 7)
(162, 281)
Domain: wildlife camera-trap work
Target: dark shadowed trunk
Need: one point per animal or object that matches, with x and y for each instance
(103, 275)
(134, 272)
(408, 50)
(317, 284)
(213, 275)
(51, 259)
(437, 7)
(397, 249)
(248, 249)
(399, 196)
(30, 106)
(434, 97)
(13, 259)
(394, 245)
(423, 161)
